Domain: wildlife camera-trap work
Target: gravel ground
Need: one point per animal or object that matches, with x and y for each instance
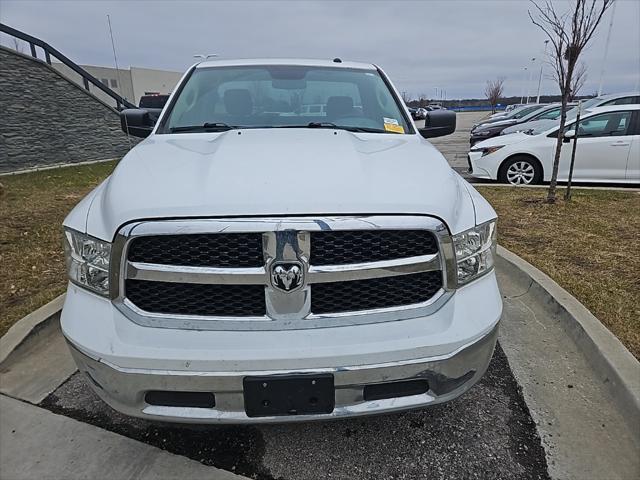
(487, 433)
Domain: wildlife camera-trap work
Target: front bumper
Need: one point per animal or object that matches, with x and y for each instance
(450, 348)
(448, 376)
(477, 166)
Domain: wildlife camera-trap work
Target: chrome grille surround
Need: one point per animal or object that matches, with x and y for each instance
(285, 239)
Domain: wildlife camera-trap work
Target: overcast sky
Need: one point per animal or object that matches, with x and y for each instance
(423, 45)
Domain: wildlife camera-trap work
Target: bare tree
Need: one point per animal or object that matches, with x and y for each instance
(569, 33)
(406, 97)
(579, 78)
(493, 91)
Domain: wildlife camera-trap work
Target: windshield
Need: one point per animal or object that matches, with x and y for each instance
(282, 96)
(541, 127)
(591, 102)
(526, 111)
(572, 113)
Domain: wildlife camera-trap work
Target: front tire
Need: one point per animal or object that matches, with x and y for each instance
(520, 171)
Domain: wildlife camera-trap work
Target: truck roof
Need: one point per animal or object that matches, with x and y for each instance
(284, 61)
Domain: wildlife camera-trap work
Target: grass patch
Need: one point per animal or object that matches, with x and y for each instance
(32, 208)
(590, 246)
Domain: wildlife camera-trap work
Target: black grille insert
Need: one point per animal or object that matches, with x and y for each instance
(165, 398)
(386, 292)
(197, 299)
(404, 388)
(200, 250)
(358, 246)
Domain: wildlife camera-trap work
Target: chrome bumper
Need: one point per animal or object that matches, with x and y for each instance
(448, 377)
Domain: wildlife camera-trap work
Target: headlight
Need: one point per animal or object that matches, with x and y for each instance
(482, 133)
(489, 150)
(87, 261)
(475, 251)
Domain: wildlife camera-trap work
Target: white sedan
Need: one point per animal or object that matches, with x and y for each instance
(608, 151)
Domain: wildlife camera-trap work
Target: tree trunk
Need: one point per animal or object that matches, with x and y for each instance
(551, 195)
(576, 128)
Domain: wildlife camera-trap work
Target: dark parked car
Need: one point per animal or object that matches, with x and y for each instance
(515, 113)
(153, 101)
(153, 104)
(492, 128)
(419, 113)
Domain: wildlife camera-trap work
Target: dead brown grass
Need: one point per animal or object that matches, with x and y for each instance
(590, 246)
(32, 208)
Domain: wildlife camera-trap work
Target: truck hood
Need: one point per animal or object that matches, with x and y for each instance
(271, 172)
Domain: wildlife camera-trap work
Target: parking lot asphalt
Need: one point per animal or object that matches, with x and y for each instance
(456, 146)
(487, 433)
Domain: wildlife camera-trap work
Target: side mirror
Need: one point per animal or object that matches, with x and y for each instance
(438, 123)
(137, 122)
(568, 135)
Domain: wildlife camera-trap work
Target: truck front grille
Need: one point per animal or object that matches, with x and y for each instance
(360, 246)
(197, 299)
(217, 272)
(375, 293)
(199, 250)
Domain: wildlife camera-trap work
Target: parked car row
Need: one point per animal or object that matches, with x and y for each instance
(507, 110)
(493, 126)
(608, 150)
(544, 123)
(420, 113)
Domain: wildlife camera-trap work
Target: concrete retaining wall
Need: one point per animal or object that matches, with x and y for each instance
(49, 120)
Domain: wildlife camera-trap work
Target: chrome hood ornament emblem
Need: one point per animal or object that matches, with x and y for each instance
(287, 276)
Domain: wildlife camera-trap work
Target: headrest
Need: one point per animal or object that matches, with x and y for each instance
(339, 106)
(237, 101)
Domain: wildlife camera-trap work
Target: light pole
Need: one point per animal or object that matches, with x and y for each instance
(530, 75)
(546, 42)
(606, 49)
(522, 90)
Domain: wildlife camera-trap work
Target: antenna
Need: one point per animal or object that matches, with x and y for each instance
(205, 57)
(115, 61)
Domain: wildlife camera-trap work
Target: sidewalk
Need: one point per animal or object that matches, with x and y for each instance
(35, 443)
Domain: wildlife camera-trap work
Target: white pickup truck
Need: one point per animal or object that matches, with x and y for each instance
(251, 262)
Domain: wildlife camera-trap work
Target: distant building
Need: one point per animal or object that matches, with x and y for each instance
(131, 83)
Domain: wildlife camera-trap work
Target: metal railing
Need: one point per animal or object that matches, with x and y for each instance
(49, 52)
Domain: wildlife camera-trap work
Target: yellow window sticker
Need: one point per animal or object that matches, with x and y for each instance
(392, 125)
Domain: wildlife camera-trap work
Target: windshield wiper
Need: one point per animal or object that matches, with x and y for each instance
(207, 127)
(344, 127)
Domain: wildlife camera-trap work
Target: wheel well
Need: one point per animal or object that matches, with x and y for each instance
(520, 155)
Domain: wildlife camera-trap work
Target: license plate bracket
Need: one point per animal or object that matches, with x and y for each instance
(289, 395)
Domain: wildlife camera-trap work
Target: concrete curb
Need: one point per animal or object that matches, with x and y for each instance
(21, 330)
(561, 186)
(612, 362)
